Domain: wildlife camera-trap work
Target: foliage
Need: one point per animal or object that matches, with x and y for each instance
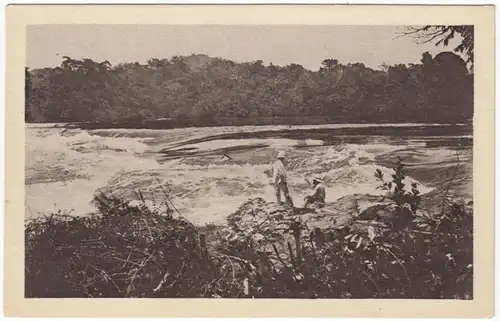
(397, 190)
(442, 35)
(203, 89)
(407, 264)
(134, 251)
(124, 251)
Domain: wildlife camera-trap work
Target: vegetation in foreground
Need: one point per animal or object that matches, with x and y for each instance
(135, 251)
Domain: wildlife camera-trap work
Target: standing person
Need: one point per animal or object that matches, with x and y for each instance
(317, 197)
(280, 179)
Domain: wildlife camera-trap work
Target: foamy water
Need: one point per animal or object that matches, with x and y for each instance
(64, 168)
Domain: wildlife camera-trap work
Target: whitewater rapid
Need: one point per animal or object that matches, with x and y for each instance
(66, 167)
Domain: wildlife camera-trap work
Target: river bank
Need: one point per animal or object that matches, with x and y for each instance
(263, 251)
(174, 207)
(174, 123)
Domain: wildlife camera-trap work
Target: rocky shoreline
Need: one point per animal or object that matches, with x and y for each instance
(265, 226)
(358, 246)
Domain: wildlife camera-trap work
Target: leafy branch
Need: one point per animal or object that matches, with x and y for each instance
(396, 187)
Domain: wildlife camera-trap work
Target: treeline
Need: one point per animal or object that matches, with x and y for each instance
(439, 89)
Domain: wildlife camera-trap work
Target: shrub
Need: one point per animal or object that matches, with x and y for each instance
(406, 264)
(397, 190)
(124, 251)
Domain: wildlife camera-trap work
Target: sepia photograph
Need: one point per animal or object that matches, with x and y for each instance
(224, 161)
(250, 161)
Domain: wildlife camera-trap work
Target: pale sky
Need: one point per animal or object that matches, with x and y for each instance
(281, 45)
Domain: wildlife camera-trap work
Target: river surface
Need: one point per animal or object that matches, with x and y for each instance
(66, 167)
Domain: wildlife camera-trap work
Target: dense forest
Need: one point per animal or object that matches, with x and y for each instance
(203, 88)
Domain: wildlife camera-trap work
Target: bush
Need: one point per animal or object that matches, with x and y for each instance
(410, 263)
(124, 251)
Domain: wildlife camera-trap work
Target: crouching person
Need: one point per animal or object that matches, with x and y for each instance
(317, 197)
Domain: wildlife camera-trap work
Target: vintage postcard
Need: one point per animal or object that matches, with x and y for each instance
(249, 161)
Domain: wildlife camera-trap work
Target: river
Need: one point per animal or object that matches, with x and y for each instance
(66, 167)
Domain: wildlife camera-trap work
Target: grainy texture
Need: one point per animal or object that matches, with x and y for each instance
(175, 153)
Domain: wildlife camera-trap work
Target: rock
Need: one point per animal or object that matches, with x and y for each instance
(263, 227)
(388, 212)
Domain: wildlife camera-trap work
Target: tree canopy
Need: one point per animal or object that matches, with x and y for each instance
(439, 89)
